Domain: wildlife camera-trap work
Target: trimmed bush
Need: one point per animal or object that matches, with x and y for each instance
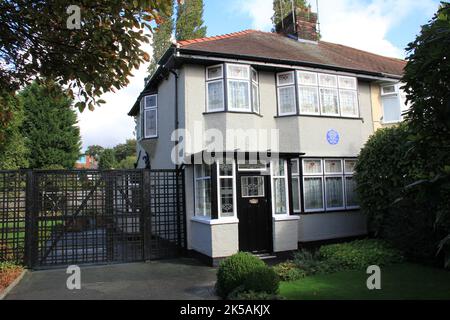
(288, 271)
(262, 279)
(358, 255)
(234, 270)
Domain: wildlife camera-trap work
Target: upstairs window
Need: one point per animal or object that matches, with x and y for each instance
(394, 103)
(238, 83)
(150, 112)
(286, 93)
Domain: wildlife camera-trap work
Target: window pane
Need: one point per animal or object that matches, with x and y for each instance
(252, 165)
(391, 108)
(280, 195)
(215, 72)
(350, 166)
(327, 80)
(285, 78)
(312, 166)
(333, 166)
(252, 186)
(296, 193)
(203, 197)
(226, 169)
(294, 166)
(238, 72)
(347, 83)
(278, 168)
(238, 95)
(150, 123)
(349, 103)
(138, 127)
(226, 197)
(308, 100)
(388, 89)
(215, 96)
(254, 76)
(350, 191)
(329, 101)
(150, 101)
(287, 100)
(202, 171)
(307, 78)
(255, 98)
(313, 193)
(334, 192)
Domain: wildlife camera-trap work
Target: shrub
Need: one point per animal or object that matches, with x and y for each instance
(262, 279)
(288, 271)
(359, 254)
(234, 270)
(309, 262)
(240, 294)
(8, 273)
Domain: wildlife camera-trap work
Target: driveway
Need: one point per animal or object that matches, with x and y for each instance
(181, 279)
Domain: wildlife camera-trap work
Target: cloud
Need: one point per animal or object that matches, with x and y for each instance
(359, 24)
(109, 125)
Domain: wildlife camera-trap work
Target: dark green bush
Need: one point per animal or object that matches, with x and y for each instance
(262, 279)
(288, 271)
(234, 270)
(359, 254)
(310, 262)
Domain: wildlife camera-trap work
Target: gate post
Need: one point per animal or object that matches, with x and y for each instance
(146, 212)
(109, 181)
(31, 225)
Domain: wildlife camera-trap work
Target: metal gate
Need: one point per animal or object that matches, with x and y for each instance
(56, 218)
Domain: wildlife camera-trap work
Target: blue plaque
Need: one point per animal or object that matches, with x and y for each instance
(333, 137)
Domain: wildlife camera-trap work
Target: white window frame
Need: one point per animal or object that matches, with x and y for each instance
(313, 175)
(338, 114)
(331, 176)
(257, 97)
(286, 188)
(348, 174)
(150, 109)
(296, 162)
(219, 198)
(333, 159)
(196, 213)
(239, 79)
(397, 93)
(215, 80)
(286, 85)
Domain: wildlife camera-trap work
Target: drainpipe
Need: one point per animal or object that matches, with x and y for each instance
(177, 123)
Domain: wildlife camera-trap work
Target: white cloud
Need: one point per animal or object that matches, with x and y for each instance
(109, 125)
(359, 24)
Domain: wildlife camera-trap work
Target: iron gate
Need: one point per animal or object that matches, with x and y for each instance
(55, 218)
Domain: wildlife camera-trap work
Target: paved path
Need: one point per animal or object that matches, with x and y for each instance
(183, 279)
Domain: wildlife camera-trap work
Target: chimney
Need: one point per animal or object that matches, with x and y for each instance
(305, 27)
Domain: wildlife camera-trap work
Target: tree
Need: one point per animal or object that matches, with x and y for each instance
(427, 85)
(94, 151)
(124, 150)
(162, 38)
(281, 8)
(49, 128)
(90, 48)
(107, 160)
(13, 152)
(127, 163)
(190, 20)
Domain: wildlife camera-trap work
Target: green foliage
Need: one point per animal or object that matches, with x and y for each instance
(262, 279)
(427, 83)
(95, 59)
(124, 150)
(359, 254)
(13, 152)
(241, 294)
(107, 160)
(94, 151)
(49, 128)
(189, 24)
(234, 270)
(127, 163)
(281, 8)
(288, 271)
(309, 262)
(162, 37)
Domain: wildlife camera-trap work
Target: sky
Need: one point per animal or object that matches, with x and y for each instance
(380, 26)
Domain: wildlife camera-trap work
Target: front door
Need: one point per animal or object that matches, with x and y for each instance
(254, 213)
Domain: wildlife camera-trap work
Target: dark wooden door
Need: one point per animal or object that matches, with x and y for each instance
(254, 213)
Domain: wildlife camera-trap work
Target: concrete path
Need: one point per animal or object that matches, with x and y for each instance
(181, 279)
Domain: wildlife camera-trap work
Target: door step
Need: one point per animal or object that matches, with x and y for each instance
(265, 256)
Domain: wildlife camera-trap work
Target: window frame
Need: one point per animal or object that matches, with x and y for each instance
(219, 184)
(249, 88)
(286, 188)
(150, 109)
(196, 178)
(215, 80)
(290, 86)
(401, 104)
(296, 176)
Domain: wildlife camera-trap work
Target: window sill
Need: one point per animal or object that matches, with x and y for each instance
(284, 217)
(208, 221)
(318, 116)
(329, 211)
(149, 138)
(238, 112)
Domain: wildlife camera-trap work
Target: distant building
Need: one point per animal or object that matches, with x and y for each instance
(86, 162)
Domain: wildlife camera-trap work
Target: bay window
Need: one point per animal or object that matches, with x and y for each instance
(318, 94)
(237, 82)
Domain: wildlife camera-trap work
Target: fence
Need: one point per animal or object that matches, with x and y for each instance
(54, 218)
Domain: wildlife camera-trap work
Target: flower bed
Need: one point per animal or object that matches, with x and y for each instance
(8, 273)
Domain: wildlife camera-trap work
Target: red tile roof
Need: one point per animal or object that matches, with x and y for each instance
(266, 45)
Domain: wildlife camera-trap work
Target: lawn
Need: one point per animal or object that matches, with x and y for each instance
(400, 281)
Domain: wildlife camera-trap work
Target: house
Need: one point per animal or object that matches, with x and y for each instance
(267, 127)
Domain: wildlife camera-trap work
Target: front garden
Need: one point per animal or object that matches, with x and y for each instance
(8, 273)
